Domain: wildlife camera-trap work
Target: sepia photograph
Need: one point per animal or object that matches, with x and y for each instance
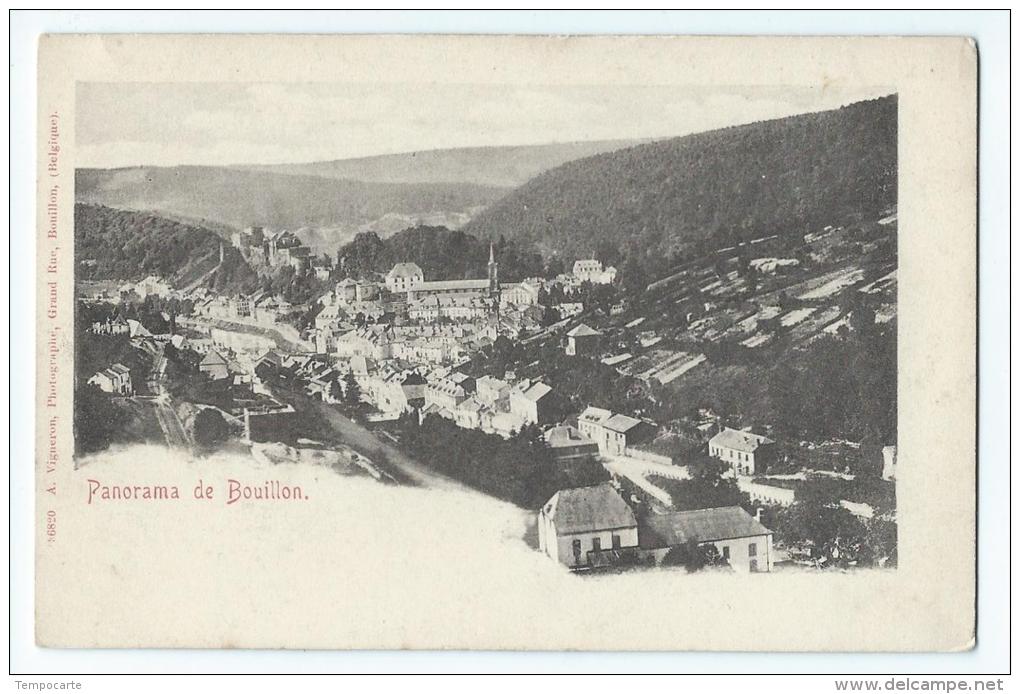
(505, 343)
(669, 346)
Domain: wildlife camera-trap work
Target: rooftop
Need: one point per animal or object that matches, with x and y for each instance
(565, 435)
(452, 285)
(597, 415)
(212, 357)
(405, 270)
(537, 391)
(743, 441)
(621, 423)
(583, 331)
(704, 525)
(585, 509)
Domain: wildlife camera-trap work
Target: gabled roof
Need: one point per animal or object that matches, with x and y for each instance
(704, 525)
(272, 356)
(405, 270)
(585, 509)
(743, 441)
(566, 436)
(119, 368)
(492, 383)
(596, 415)
(212, 358)
(621, 423)
(537, 391)
(470, 405)
(583, 331)
(413, 379)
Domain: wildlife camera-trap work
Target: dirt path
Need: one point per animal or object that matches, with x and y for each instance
(173, 430)
(381, 453)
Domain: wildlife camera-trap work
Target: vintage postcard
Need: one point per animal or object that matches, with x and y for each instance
(497, 342)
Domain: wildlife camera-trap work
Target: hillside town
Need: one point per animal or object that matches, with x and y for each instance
(581, 370)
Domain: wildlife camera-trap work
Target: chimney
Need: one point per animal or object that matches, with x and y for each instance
(757, 514)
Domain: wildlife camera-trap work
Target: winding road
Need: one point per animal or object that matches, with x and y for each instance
(368, 444)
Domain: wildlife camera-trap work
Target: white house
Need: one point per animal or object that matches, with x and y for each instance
(116, 379)
(531, 402)
(491, 391)
(743, 542)
(213, 365)
(404, 277)
(591, 270)
(745, 452)
(577, 527)
(590, 423)
(153, 285)
(519, 294)
(612, 432)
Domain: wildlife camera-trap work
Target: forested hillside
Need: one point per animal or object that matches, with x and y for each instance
(441, 254)
(127, 245)
(662, 198)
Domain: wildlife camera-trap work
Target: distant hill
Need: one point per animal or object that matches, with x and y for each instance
(780, 176)
(125, 245)
(504, 167)
(217, 196)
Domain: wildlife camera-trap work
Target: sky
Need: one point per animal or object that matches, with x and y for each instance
(168, 124)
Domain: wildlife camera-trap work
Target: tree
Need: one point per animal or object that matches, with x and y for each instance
(830, 532)
(634, 277)
(352, 391)
(210, 428)
(336, 391)
(96, 420)
(690, 556)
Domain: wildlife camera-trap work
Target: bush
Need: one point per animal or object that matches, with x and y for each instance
(211, 429)
(97, 420)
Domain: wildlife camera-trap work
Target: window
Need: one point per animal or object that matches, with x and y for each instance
(596, 544)
(754, 566)
(726, 553)
(616, 542)
(577, 551)
(752, 549)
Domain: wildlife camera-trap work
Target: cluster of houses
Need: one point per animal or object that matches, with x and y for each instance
(261, 308)
(593, 527)
(430, 322)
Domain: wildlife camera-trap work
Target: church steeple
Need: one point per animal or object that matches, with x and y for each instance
(493, 280)
(493, 270)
